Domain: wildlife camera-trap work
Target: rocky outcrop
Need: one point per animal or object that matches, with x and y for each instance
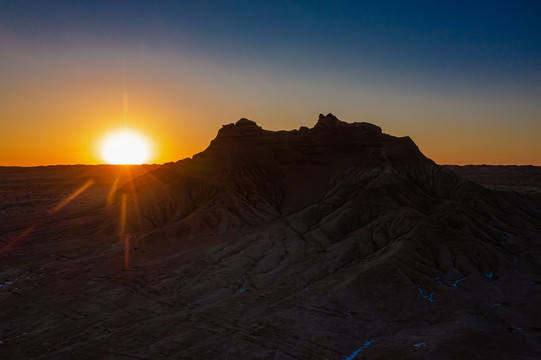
(345, 234)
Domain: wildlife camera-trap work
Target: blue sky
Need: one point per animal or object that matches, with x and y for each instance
(489, 40)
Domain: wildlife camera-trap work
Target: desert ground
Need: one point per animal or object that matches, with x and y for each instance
(124, 262)
(522, 179)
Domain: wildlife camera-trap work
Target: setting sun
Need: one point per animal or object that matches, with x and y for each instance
(125, 147)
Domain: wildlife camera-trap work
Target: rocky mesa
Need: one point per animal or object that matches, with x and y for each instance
(338, 235)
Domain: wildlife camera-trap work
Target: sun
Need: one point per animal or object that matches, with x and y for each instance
(125, 147)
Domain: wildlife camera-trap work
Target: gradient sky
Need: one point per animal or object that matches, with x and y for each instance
(461, 78)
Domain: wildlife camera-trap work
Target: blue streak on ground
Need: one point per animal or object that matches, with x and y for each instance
(419, 345)
(365, 345)
(490, 275)
(428, 297)
(459, 280)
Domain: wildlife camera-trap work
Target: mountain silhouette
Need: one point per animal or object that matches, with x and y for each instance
(340, 240)
(332, 242)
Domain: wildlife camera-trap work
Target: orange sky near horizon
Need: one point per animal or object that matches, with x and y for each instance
(58, 107)
(70, 133)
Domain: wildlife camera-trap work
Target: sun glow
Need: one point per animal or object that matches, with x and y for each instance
(125, 147)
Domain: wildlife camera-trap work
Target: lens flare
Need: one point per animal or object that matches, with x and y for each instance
(125, 147)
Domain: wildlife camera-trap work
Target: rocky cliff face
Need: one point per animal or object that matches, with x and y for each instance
(250, 176)
(330, 238)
